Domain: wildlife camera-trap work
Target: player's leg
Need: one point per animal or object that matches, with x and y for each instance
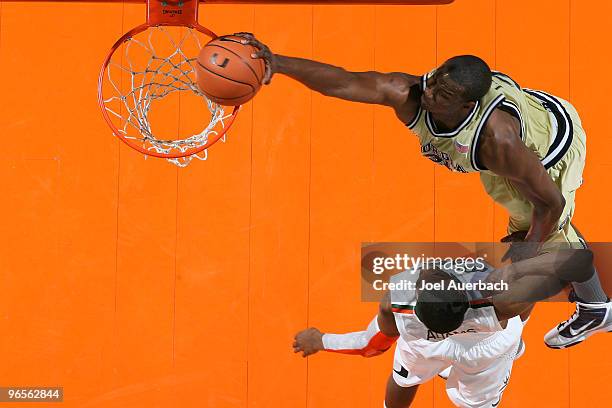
(593, 308)
(589, 291)
(411, 368)
(480, 376)
(399, 397)
(519, 353)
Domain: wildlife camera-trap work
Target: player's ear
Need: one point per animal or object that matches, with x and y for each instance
(469, 104)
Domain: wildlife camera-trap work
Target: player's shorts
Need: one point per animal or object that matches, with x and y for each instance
(567, 175)
(481, 364)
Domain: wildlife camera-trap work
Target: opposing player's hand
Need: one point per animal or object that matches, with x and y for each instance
(519, 248)
(308, 342)
(263, 53)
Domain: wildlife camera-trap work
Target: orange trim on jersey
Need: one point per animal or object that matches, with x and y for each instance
(376, 346)
(403, 311)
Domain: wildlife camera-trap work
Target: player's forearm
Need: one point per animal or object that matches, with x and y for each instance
(544, 220)
(368, 343)
(563, 266)
(324, 78)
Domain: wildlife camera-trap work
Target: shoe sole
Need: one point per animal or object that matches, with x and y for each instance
(607, 329)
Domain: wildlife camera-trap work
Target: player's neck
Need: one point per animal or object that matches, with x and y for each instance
(447, 121)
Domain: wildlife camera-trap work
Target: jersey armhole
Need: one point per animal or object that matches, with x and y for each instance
(476, 164)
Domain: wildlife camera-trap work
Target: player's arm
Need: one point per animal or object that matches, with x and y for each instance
(389, 89)
(379, 336)
(503, 152)
(539, 278)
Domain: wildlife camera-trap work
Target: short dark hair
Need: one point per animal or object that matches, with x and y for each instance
(442, 310)
(472, 73)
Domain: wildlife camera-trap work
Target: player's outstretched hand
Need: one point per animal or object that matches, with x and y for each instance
(263, 53)
(308, 342)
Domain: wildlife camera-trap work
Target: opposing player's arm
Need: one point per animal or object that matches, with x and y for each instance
(379, 336)
(539, 278)
(503, 152)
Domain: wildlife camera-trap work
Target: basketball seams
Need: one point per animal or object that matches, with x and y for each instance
(239, 56)
(229, 79)
(233, 97)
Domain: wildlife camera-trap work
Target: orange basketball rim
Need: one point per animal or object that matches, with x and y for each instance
(149, 63)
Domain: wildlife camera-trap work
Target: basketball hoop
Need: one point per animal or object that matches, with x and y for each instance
(152, 62)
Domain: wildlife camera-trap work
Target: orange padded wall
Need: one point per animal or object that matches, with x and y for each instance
(132, 283)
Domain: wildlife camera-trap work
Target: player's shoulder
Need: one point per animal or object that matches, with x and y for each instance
(404, 79)
(501, 132)
(400, 85)
(402, 292)
(403, 93)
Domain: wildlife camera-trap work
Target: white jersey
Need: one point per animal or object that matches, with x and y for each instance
(480, 352)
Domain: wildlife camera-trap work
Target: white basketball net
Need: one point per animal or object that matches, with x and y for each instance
(147, 68)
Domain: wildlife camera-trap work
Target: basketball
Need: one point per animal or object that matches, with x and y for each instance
(226, 73)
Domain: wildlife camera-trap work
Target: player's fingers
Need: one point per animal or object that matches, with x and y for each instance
(259, 54)
(253, 42)
(244, 34)
(268, 74)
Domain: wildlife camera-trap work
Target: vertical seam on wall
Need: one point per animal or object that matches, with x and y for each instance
(1, 24)
(312, 8)
(372, 178)
(569, 91)
(373, 167)
(250, 235)
(175, 261)
(497, 69)
(176, 235)
(118, 142)
(433, 388)
(569, 54)
(433, 164)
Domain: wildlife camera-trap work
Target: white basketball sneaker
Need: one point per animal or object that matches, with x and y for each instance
(587, 320)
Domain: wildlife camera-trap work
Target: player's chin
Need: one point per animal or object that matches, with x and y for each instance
(428, 108)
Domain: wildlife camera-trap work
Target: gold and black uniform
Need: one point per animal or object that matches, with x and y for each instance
(550, 127)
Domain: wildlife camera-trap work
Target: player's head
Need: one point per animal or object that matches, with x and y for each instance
(460, 81)
(441, 310)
